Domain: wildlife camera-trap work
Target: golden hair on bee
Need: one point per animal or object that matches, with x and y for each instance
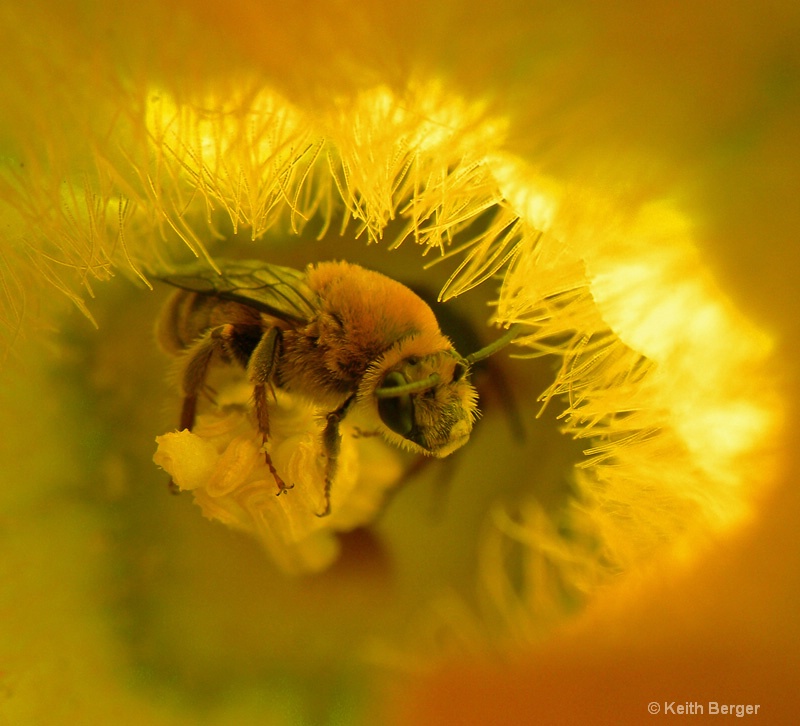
(337, 334)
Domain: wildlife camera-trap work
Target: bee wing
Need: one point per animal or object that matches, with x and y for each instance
(272, 289)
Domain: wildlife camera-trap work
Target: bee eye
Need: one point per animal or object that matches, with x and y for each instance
(458, 372)
(397, 413)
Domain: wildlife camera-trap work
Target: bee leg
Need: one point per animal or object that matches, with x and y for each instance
(260, 368)
(222, 339)
(332, 441)
(197, 360)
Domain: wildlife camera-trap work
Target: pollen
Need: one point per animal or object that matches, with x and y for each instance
(221, 462)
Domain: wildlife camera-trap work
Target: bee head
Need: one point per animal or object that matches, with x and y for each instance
(426, 403)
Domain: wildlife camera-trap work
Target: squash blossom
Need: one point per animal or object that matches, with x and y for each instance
(619, 532)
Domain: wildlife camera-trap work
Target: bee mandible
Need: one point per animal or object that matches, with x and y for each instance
(338, 334)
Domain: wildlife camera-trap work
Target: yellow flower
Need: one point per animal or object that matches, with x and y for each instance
(619, 180)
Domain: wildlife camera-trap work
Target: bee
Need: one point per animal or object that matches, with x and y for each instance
(344, 337)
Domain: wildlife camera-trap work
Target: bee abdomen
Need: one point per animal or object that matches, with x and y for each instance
(188, 315)
(171, 328)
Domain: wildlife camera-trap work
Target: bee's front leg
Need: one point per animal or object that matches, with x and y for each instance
(332, 441)
(260, 369)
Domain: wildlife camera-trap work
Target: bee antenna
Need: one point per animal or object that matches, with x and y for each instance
(406, 388)
(512, 333)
